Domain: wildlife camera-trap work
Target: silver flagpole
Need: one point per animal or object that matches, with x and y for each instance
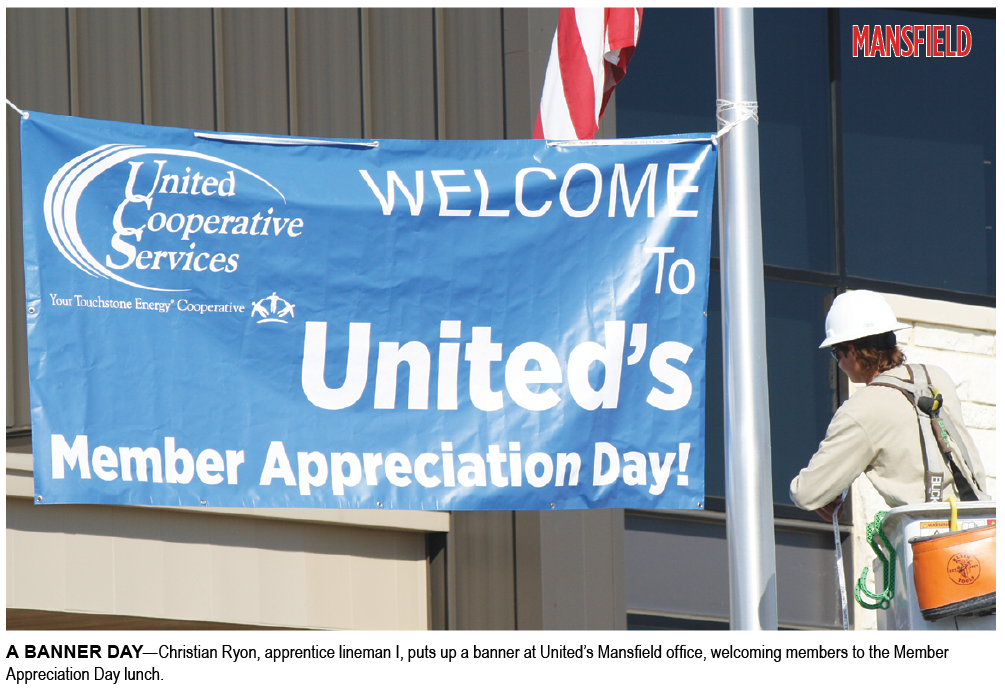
(749, 519)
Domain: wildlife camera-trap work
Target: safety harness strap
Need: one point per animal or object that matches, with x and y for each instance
(933, 479)
(978, 477)
(915, 391)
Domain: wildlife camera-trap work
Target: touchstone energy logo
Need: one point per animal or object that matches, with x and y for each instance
(177, 214)
(910, 40)
(271, 311)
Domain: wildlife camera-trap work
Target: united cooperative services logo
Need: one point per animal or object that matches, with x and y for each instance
(176, 213)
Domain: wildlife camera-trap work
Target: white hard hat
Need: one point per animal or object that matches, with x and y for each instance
(856, 314)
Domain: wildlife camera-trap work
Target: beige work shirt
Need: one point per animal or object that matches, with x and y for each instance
(876, 431)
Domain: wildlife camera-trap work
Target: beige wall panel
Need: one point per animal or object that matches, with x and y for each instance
(328, 89)
(236, 581)
(377, 612)
(255, 84)
(473, 70)
(276, 568)
(181, 68)
(571, 570)
(402, 98)
(411, 590)
(90, 589)
(564, 592)
(36, 561)
(140, 568)
(602, 548)
(162, 564)
(328, 603)
(108, 64)
(483, 583)
(189, 568)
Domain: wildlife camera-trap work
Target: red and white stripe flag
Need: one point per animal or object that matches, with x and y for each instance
(589, 55)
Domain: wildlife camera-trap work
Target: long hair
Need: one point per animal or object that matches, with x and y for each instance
(878, 353)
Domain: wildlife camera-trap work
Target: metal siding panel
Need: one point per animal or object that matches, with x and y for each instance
(276, 568)
(378, 614)
(474, 74)
(519, 104)
(604, 556)
(327, 562)
(411, 595)
(18, 407)
(580, 568)
(680, 566)
(181, 68)
(483, 579)
(36, 581)
(38, 78)
(527, 37)
(563, 571)
(139, 560)
(328, 73)
(529, 571)
(215, 568)
(37, 68)
(436, 576)
(9, 324)
(108, 58)
(402, 74)
(676, 566)
(807, 586)
(255, 84)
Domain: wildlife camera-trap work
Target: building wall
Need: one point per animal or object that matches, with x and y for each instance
(962, 339)
(243, 570)
(334, 72)
(410, 73)
(429, 74)
(199, 568)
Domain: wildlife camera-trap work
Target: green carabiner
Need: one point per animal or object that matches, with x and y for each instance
(883, 599)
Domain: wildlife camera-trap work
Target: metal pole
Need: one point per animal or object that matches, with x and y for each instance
(749, 519)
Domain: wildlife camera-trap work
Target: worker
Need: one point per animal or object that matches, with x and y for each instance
(877, 430)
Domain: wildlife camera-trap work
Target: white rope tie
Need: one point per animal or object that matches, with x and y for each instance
(746, 110)
(19, 111)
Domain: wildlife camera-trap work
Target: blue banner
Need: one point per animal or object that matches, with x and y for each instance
(240, 320)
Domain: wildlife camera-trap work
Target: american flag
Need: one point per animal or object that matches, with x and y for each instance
(589, 56)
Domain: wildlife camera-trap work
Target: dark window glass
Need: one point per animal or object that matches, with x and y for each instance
(670, 85)
(670, 89)
(799, 377)
(918, 158)
(793, 96)
(715, 434)
(799, 382)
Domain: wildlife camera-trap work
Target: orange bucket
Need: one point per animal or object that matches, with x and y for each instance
(954, 573)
